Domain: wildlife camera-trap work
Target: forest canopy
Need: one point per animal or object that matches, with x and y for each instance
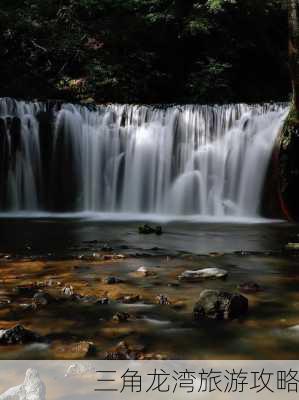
(149, 51)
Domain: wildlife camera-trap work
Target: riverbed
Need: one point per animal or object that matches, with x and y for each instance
(51, 253)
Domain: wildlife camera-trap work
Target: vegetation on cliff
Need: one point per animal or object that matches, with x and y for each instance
(289, 137)
(144, 50)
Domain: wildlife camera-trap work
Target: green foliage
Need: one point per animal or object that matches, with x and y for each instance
(144, 50)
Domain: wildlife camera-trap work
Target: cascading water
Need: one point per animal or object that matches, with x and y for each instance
(179, 160)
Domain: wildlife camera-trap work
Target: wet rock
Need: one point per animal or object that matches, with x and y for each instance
(67, 291)
(42, 299)
(130, 299)
(143, 271)
(113, 257)
(52, 283)
(115, 355)
(28, 306)
(78, 350)
(294, 328)
(218, 305)
(201, 274)
(121, 317)
(147, 230)
(6, 256)
(106, 247)
(18, 335)
(162, 299)
(4, 302)
(103, 301)
(112, 280)
(86, 299)
(292, 246)
(249, 287)
(125, 351)
(25, 291)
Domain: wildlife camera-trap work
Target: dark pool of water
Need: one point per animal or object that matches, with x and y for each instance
(59, 235)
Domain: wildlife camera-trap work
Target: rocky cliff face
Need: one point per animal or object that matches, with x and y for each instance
(288, 166)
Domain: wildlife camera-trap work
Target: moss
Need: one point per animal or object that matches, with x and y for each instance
(289, 163)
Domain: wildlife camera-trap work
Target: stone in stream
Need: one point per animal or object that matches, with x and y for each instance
(121, 317)
(249, 287)
(292, 246)
(148, 230)
(18, 335)
(130, 299)
(125, 351)
(4, 302)
(218, 305)
(86, 299)
(201, 274)
(106, 247)
(108, 257)
(112, 280)
(143, 271)
(42, 299)
(77, 350)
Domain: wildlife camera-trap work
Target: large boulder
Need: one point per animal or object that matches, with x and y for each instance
(218, 305)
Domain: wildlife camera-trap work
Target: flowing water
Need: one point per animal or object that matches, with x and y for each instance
(91, 176)
(177, 160)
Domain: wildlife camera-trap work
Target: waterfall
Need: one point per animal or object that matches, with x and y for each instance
(178, 160)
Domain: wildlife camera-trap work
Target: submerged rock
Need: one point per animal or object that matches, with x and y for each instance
(147, 230)
(207, 273)
(218, 305)
(42, 299)
(112, 280)
(249, 287)
(18, 335)
(106, 247)
(86, 299)
(121, 317)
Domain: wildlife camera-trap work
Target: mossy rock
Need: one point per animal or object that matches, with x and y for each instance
(288, 164)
